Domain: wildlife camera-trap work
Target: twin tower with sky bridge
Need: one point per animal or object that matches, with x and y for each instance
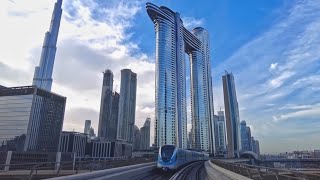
(173, 40)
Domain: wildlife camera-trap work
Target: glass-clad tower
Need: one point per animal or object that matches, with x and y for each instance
(232, 115)
(173, 40)
(201, 93)
(42, 77)
(127, 106)
(104, 128)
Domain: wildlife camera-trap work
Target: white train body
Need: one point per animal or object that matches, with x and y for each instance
(171, 157)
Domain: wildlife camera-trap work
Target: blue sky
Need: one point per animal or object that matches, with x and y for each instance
(272, 47)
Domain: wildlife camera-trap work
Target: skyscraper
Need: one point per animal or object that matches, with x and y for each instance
(37, 126)
(257, 147)
(173, 40)
(92, 135)
(113, 126)
(145, 135)
(106, 105)
(136, 138)
(43, 73)
(249, 138)
(87, 126)
(220, 132)
(201, 93)
(232, 115)
(245, 145)
(127, 105)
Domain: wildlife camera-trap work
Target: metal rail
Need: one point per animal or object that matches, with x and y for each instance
(184, 172)
(265, 173)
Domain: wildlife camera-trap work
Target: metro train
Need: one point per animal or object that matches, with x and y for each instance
(171, 157)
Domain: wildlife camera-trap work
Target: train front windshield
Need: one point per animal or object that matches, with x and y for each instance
(166, 152)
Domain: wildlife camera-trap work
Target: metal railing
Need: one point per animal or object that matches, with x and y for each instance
(55, 169)
(266, 173)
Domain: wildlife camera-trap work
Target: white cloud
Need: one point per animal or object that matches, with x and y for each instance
(280, 66)
(191, 22)
(93, 36)
(273, 66)
(278, 81)
(311, 112)
(295, 107)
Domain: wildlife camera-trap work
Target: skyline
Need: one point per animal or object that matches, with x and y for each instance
(119, 45)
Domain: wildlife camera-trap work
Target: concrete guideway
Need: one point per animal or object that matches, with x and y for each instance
(215, 172)
(206, 170)
(193, 171)
(127, 172)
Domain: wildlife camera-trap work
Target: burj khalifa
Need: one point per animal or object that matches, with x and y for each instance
(43, 73)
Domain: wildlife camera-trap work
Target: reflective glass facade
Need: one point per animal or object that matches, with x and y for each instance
(31, 119)
(15, 113)
(245, 136)
(43, 73)
(202, 94)
(127, 106)
(173, 40)
(105, 129)
(220, 131)
(232, 115)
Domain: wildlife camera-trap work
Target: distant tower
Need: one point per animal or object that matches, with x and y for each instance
(106, 104)
(244, 136)
(127, 105)
(87, 126)
(43, 73)
(232, 115)
(145, 135)
(220, 132)
(136, 138)
(113, 126)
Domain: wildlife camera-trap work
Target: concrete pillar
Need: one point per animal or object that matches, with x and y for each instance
(74, 161)
(58, 160)
(8, 160)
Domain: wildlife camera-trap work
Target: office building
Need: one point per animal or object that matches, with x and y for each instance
(220, 132)
(43, 73)
(92, 135)
(245, 139)
(87, 126)
(104, 149)
(127, 106)
(189, 144)
(73, 142)
(31, 119)
(255, 146)
(136, 138)
(113, 124)
(173, 40)
(232, 115)
(145, 135)
(105, 130)
(249, 138)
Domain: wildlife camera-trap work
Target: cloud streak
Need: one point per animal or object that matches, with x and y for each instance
(277, 68)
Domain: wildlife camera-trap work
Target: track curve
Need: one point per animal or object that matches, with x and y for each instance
(193, 171)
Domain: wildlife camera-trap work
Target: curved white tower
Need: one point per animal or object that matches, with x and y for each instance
(173, 40)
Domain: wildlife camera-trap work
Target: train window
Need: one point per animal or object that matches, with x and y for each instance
(166, 152)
